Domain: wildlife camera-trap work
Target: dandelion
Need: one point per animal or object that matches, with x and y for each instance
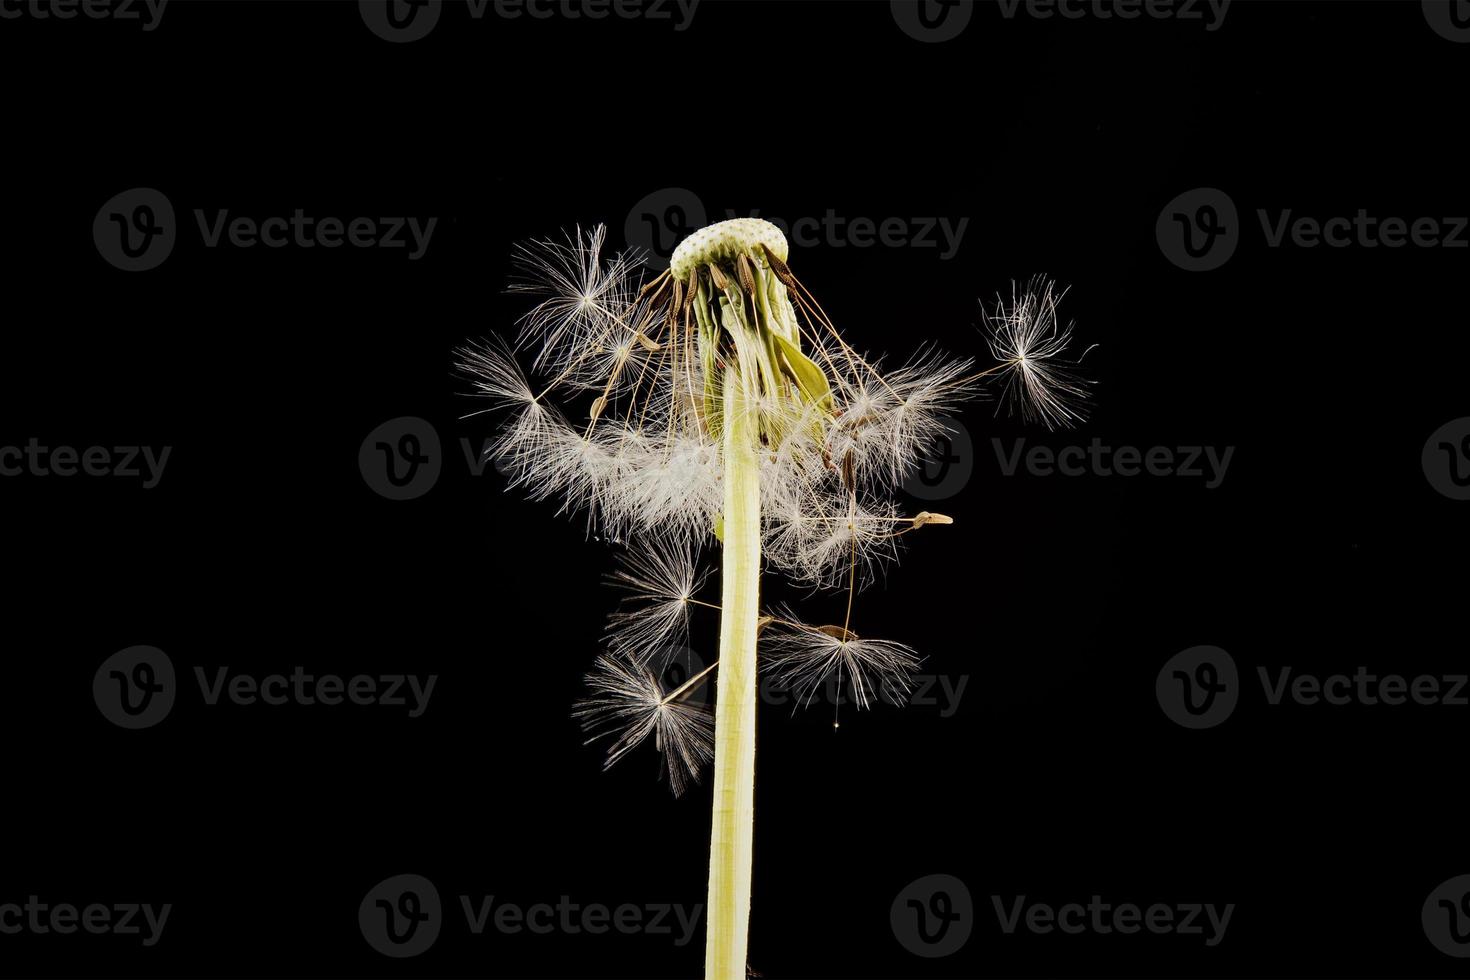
(804, 658)
(1029, 341)
(716, 406)
(661, 580)
(630, 703)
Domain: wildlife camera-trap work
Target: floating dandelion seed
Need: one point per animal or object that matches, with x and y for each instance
(1029, 341)
(629, 703)
(579, 296)
(804, 658)
(717, 403)
(662, 580)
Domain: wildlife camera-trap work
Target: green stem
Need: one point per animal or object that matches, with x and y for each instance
(734, 804)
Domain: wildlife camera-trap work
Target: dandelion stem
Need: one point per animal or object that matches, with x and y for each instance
(731, 836)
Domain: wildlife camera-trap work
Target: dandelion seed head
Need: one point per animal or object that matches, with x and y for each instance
(627, 423)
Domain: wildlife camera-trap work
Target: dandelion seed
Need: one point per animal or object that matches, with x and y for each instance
(662, 577)
(1029, 340)
(928, 391)
(803, 658)
(581, 296)
(628, 703)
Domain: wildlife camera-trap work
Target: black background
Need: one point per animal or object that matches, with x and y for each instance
(1058, 776)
